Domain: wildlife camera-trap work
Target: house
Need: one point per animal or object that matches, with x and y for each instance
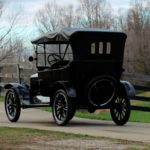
(14, 73)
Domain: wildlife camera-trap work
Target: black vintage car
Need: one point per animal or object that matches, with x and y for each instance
(76, 69)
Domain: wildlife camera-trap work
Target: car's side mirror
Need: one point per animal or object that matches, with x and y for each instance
(31, 58)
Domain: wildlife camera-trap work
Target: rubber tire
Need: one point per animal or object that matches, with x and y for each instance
(69, 108)
(72, 112)
(16, 102)
(97, 78)
(115, 114)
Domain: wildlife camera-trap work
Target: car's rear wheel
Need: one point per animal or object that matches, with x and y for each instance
(120, 110)
(62, 108)
(12, 105)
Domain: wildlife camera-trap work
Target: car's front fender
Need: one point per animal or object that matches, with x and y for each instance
(23, 90)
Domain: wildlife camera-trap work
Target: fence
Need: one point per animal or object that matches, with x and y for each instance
(140, 82)
(141, 98)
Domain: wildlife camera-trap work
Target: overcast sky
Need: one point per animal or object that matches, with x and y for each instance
(28, 8)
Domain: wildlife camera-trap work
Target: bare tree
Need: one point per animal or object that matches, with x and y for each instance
(90, 13)
(95, 13)
(138, 30)
(46, 18)
(19, 47)
(53, 16)
(13, 51)
(1, 8)
(5, 38)
(67, 18)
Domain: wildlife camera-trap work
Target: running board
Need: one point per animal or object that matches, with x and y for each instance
(27, 104)
(35, 105)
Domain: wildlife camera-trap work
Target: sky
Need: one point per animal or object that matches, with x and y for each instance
(27, 9)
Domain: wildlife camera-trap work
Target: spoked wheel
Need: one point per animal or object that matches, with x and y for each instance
(62, 108)
(12, 105)
(120, 110)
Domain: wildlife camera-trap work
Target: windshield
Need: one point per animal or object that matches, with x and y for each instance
(49, 54)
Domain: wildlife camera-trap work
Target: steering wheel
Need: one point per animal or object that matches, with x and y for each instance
(53, 58)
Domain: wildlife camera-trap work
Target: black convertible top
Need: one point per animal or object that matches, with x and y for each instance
(65, 35)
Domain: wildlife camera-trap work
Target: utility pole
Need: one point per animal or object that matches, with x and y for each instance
(18, 73)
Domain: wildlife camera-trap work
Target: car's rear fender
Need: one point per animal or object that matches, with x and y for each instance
(23, 90)
(127, 89)
(66, 85)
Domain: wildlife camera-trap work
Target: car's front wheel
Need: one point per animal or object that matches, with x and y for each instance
(62, 108)
(12, 105)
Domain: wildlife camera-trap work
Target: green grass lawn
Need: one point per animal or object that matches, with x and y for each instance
(1, 98)
(145, 94)
(136, 116)
(16, 133)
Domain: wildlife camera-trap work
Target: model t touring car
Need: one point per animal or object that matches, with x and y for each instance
(76, 69)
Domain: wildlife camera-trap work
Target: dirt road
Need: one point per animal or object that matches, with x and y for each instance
(38, 119)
